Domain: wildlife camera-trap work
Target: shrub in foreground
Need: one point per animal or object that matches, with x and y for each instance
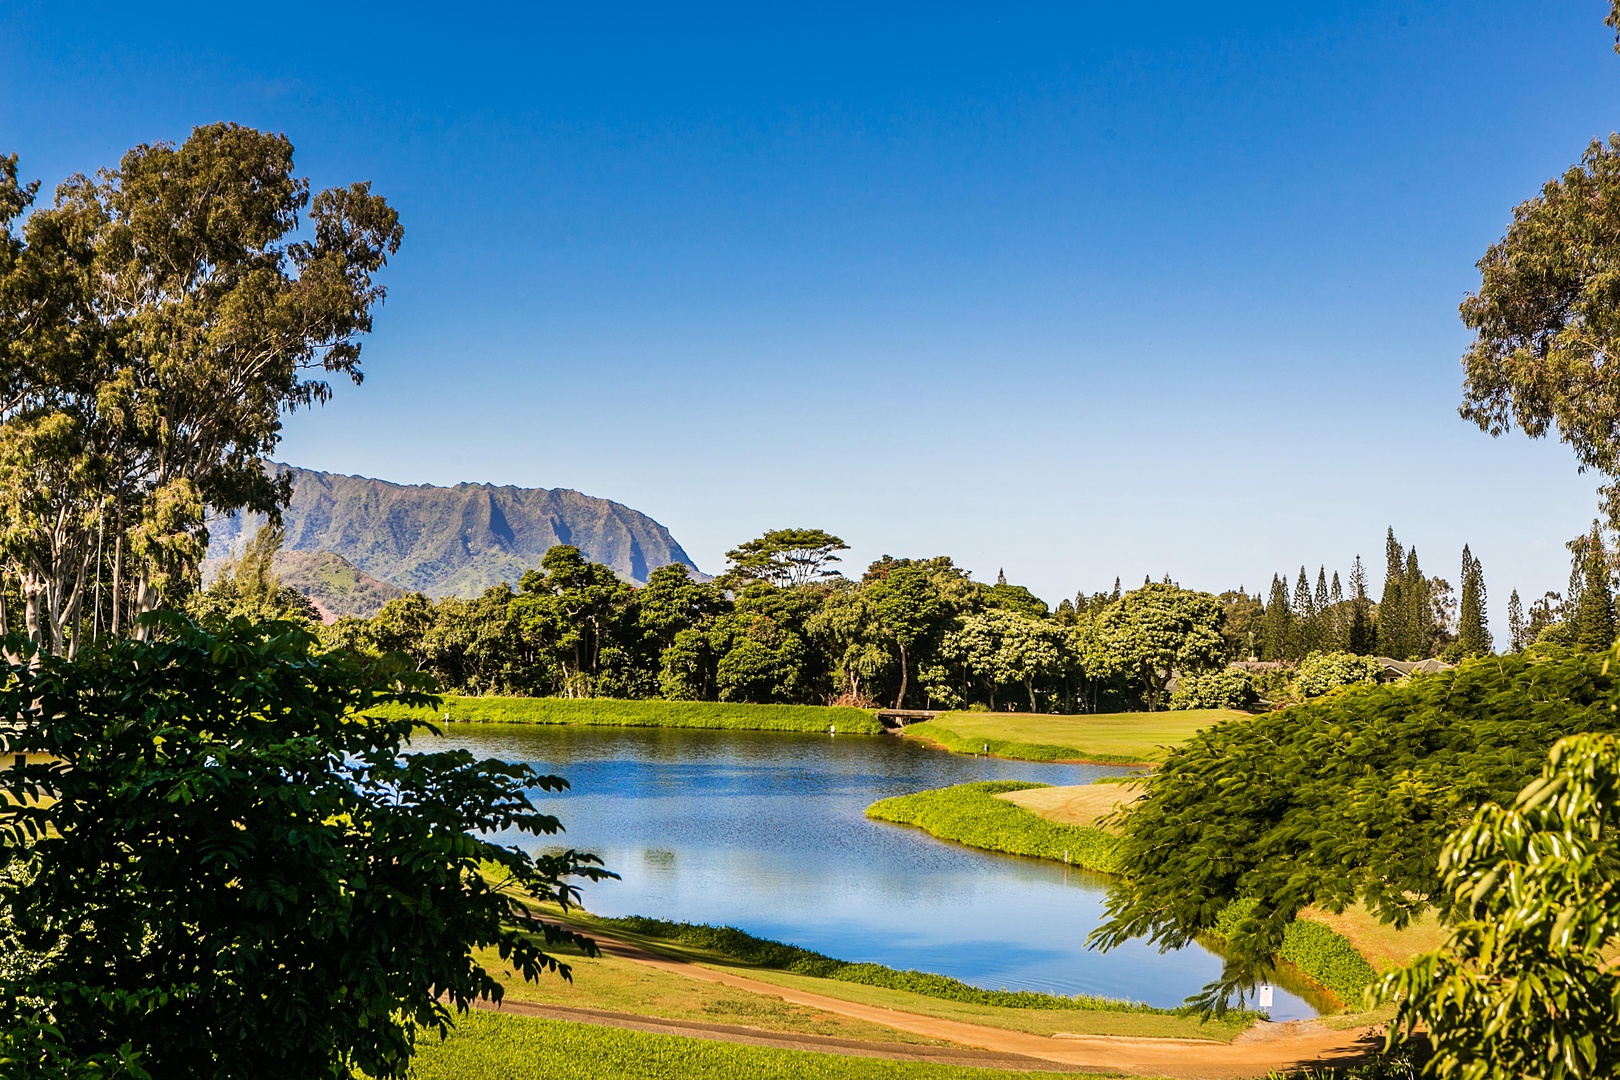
(225, 870)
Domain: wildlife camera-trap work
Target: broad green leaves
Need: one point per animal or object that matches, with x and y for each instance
(1524, 985)
(228, 867)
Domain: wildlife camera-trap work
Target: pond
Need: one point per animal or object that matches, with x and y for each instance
(766, 831)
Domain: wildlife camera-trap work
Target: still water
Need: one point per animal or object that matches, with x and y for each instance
(766, 832)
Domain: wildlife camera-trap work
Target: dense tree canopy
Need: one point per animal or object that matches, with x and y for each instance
(1342, 801)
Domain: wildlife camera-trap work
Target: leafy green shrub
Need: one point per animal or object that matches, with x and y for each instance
(229, 871)
(1228, 688)
(739, 945)
(650, 712)
(1324, 672)
(970, 814)
(1341, 800)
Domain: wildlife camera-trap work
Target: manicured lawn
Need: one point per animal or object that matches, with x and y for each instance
(1081, 805)
(609, 712)
(1125, 738)
(494, 1046)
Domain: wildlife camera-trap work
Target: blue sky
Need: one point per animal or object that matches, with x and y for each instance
(1073, 290)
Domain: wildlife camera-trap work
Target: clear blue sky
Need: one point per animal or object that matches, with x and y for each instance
(1078, 290)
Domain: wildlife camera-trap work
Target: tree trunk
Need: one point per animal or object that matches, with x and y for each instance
(1030, 686)
(900, 701)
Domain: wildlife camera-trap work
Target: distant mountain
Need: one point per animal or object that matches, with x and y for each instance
(335, 585)
(458, 540)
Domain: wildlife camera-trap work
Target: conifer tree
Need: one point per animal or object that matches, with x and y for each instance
(1472, 634)
(1594, 613)
(1339, 623)
(1323, 634)
(1416, 597)
(1517, 631)
(1115, 597)
(1305, 623)
(1392, 635)
(1360, 636)
(1277, 634)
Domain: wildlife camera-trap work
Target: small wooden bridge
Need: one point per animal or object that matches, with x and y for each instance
(895, 719)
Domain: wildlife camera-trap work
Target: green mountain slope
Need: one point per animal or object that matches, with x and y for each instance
(458, 540)
(336, 585)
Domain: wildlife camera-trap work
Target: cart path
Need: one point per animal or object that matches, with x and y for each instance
(1264, 1047)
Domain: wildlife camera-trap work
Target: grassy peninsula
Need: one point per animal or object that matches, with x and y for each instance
(650, 712)
(971, 814)
(1129, 738)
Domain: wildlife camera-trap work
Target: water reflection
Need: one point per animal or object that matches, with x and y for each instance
(767, 832)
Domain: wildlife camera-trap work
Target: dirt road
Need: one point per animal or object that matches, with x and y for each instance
(1256, 1052)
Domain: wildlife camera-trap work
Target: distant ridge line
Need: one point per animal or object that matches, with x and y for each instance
(460, 540)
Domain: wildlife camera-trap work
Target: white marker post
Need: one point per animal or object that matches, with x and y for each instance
(1265, 995)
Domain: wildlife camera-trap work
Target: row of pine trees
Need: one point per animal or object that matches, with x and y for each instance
(1417, 616)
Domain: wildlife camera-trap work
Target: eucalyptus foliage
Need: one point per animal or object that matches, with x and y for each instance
(225, 867)
(1344, 800)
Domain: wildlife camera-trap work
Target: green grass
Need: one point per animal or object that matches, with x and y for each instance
(730, 943)
(1109, 738)
(654, 712)
(970, 814)
(485, 1046)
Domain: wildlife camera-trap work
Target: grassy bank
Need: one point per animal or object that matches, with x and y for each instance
(971, 814)
(1109, 738)
(485, 1044)
(729, 943)
(609, 712)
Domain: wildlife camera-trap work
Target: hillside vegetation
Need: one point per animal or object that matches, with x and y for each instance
(608, 712)
(455, 541)
(335, 585)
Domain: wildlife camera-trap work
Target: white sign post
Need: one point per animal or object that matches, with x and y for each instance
(1265, 995)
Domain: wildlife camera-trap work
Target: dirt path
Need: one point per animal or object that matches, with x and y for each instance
(1263, 1048)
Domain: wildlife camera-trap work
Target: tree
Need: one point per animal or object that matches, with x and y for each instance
(1243, 625)
(1472, 634)
(248, 587)
(1362, 635)
(574, 611)
(786, 557)
(240, 873)
(1278, 628)
(1593, 626)
(847, 629)
(1156, 631)
(1306, 624)
(1343, 800)
(1394, 631)
(1523, 984)
(1323, 672)
(156, 323)
(1518, 629)
(1545, 320)
(908, 606)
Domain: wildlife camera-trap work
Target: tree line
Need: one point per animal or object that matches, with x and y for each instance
(782, 624)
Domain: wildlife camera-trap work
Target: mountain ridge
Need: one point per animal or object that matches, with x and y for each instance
(458, 540)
